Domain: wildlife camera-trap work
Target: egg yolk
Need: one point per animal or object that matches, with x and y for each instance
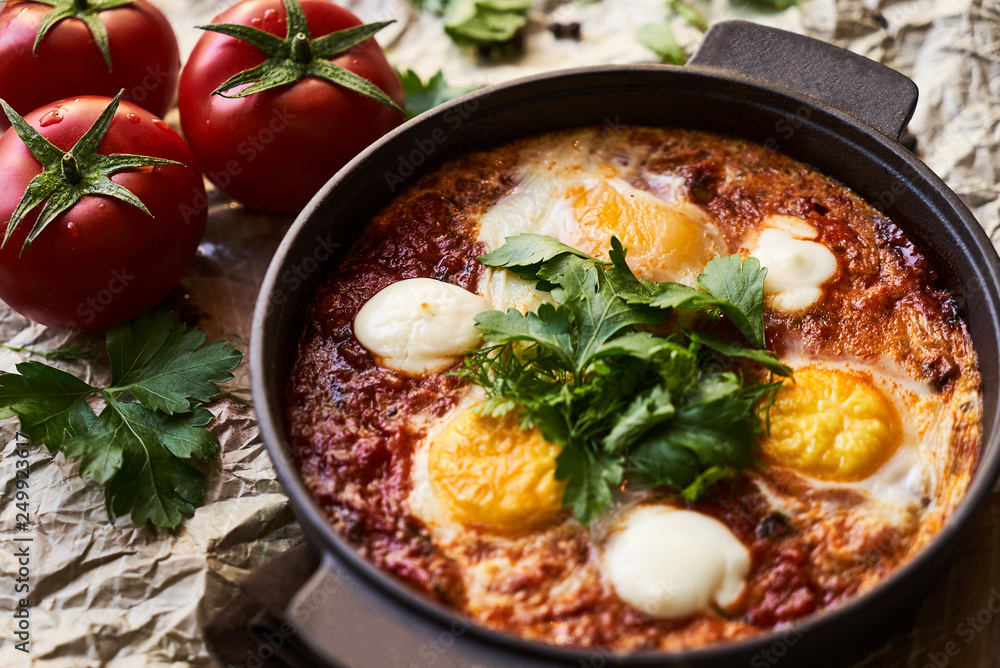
(832, 425)
(489, 472)
(666, 242)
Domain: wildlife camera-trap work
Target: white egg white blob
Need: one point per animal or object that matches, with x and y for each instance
(419, 326)
(671, 563)
(796, 269)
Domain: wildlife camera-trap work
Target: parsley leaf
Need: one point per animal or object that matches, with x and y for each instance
(140, 450)
(589, 477)
(645, 412)
(44, 399)
(762, 357)
(524, 254)
(167, 368)
(549, 329)
(739, 287)
(154, 482)
(421, 96)
(594, 374)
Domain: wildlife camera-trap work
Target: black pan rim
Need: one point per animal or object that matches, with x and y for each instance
(931, 558)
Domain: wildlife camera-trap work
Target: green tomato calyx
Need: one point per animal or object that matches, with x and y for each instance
(86, 12)
(69, 175)
(298, 56)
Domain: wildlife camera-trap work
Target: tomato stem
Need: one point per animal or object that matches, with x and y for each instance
(301, 52)
(81, 5)
(70, 170)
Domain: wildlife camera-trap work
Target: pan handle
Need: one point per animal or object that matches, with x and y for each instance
(348, 623)
(877, 94)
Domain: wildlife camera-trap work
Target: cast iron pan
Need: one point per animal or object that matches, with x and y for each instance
(830, 108)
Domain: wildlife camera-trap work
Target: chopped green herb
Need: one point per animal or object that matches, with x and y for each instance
(152, 425)
(435, 7)
(773, 4)
(596, 376)
(660, 38)
(694, 18)
(485, 22)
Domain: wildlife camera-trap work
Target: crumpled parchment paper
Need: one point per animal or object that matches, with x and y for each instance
(106, 594)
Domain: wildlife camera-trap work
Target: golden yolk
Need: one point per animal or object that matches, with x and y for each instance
(489, 472)
(832, 425)
(664, 241)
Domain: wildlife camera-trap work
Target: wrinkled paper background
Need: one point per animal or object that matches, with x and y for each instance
(115, 595)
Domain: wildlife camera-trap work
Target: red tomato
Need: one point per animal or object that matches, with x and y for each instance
(274, 149)
(144, 57)
(102, 260)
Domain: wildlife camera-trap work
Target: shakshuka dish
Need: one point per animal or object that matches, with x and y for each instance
(634, 388)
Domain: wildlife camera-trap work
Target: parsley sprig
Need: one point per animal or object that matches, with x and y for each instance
(152, 427)
(596, 375)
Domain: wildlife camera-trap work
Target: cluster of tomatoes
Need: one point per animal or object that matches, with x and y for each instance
(104, 258)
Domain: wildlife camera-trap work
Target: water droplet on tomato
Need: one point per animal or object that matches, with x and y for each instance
(132, 118)
(270, 14)
(51, 117)
(255, 21)
(160, 124)
(101, 205)
(72, 231)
